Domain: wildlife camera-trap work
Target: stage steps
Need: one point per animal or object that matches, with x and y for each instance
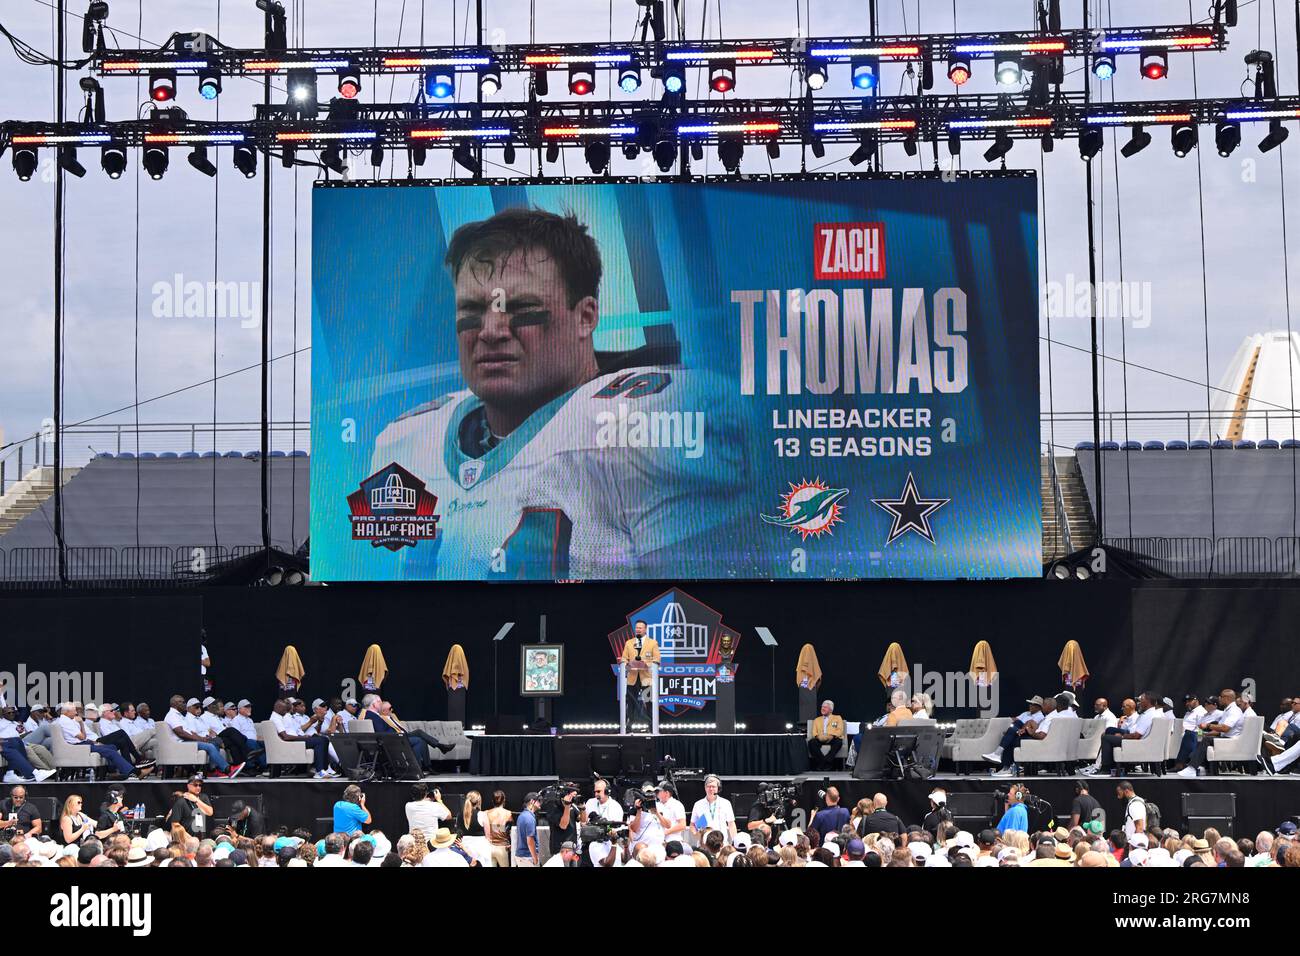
(29, 493)
(1078, 510)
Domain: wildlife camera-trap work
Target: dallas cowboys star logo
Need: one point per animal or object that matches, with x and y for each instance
(910, 511)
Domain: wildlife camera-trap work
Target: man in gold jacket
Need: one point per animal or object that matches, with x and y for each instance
(826, 737)
(639, 652)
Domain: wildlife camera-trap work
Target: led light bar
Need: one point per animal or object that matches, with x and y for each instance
(459, 133)
(833, 52)
(1137, 43)
(302, 137)
(589, 131)
(1145, 118)
(37, 139)
(1246, 115)
(838, 125)
(194, 137)
(1035, 46)
(275, 66)
(132, 65)
(1001, 123)
(564, 59)
(730, 128)
(419, 62)
(719, 55)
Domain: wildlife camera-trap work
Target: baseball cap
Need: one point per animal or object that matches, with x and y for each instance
(673, 848)
(351, 702)
(207, 701)
(938, 796)
(856, 848)
(244, 702)
(1035, 700)
(230, 705)
(193, 702)
(573, 847)
(196, 778)
(663, 785)
(114, 795)
(317, 703)
(741, 841)
(919, 850)
(531, 796)
(107, 707)
(1287, 827)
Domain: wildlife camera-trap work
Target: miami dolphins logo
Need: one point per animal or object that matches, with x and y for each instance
(810, 508)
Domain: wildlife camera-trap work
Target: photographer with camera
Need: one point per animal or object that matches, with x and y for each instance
(659, 816)
(561, 813)
(829, 817)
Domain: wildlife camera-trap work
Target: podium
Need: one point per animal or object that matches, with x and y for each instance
(622, 697)
(807, 704)
(456, 704)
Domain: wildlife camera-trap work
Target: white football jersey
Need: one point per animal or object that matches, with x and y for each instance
(602, 482)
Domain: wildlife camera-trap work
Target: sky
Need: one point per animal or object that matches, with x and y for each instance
(124, 340)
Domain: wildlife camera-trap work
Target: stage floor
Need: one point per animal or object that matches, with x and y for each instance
(1260, 802)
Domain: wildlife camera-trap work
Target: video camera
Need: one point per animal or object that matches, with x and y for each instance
(1041, 813)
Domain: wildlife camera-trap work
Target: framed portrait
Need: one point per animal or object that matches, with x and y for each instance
(541, 670)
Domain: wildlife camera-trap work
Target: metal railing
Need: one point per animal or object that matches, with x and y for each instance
(1070, 428)
(1215, 557)
(124, 567)
(1062, 523)
(81, 443)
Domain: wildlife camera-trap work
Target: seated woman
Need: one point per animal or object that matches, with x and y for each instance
(74, 826)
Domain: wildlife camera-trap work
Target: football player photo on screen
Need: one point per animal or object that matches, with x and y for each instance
(536, 473)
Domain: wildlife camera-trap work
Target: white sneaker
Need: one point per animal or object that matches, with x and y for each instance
(11, 777)
(1186, 772)
(995, 757)
(42, 775)
(1009, 772)
(330, 772)
(320, 775)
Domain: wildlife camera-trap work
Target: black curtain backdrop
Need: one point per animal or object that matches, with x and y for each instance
(1171, 637)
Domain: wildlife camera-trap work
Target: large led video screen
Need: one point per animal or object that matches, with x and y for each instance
(626, 380)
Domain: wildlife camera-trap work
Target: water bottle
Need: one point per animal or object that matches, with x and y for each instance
(139, 811)
(92, 774)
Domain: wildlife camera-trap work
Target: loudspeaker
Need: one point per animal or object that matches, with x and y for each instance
(606, 759)
(1202, 810)
(402, 764)
(973, 811)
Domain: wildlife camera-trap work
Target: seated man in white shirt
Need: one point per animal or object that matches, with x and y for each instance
(112, 731)
(1031, 731)
(15, 752)
(1193, 716)
(287, 728)
(1137, 728)
(1228, 725)
(183, 721)
(73, 729)
(240, 736)
(114, 718)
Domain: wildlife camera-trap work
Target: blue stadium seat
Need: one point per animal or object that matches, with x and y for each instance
(1154, 446)
(1220, 443)
(1084, 446)
(1269, 443)
(277, 454)
(232, 454)
(1244, 443)
(169, 454)
(210, 454)
(1291, 443)
(252, 454)
(297, 453)
(1110, 446)
(1199, 444)
(125, 454)
(147, 456)
(104, 454)
(1176, 445)
(1131, 446)
(189, 454)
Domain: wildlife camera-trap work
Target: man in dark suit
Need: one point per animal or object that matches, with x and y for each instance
(880, 820)
(384, 721)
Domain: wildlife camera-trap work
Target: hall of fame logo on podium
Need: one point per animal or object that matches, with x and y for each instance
(697, 649)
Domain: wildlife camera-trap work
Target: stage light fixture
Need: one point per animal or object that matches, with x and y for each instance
(697, 151)
(418, 155)
(629, 79)
(440, 83)
(582, 79)
(815, 74)
(209, 82)
(1049, 144)
(954, 143)
(288, 156)
(198, 158)
(67, 156)
(722, 76)
(332, 158)
(303, 100)
(1227, 137)
(1081, 572)
(865, 72)
(112, 159)
(1137, 142)
(464, 157)
(1002, 144)
(866, 149)
(1008, 71)
(596, 153)
(818, 147)
(350, 82)
(552, 152)
(377, 155)
(489, 79)
(1103, 66)
(730, 151)
(909, 144)
(541, 81)
(1061, 572)
(773, 149)
(508, 154)
(665, 154)
(155, 161)
(1091, 140)
(162, 85)
(959, 70)
(1182, 137)
(674, 77)
(1277, 134)
(246, 160)
(1155, 64)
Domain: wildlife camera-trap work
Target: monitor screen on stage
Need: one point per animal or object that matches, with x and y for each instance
(752, 379)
